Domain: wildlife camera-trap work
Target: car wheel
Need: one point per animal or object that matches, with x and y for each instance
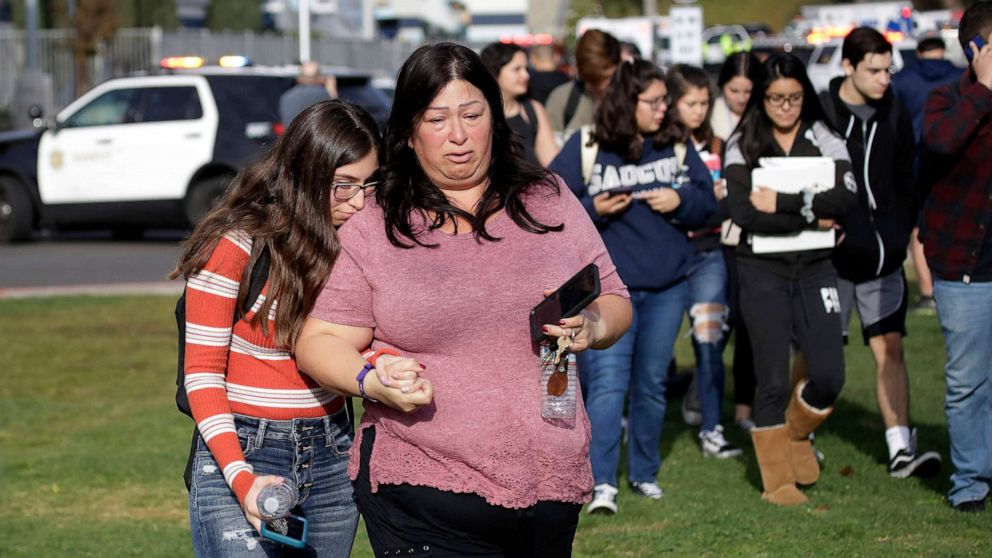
(203, 196)
(16, 213)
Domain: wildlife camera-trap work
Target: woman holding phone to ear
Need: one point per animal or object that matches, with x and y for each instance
(634, 149)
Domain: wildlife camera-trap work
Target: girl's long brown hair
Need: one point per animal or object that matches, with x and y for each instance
(616, 118)
(283, 202)
(679, 80)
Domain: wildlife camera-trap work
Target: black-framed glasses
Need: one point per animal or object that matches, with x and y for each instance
(794, 100)
(655, 103)
(344, 191)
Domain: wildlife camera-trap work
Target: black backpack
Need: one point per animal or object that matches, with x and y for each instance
(259, 275)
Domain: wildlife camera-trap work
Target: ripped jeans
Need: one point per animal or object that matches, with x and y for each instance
(707, 279)
(311, 452)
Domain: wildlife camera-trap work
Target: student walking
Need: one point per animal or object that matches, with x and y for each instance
(957, 220)
(689, 90)
(259, 419)
(638, 195)
(879, 136)
(789, 295)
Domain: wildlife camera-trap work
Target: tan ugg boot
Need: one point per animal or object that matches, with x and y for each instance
(771, 446)
(802, 419)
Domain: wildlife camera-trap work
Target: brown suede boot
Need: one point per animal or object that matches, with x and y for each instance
(802, 419)
(771, 446)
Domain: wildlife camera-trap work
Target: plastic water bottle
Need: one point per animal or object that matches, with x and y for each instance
(276, 500)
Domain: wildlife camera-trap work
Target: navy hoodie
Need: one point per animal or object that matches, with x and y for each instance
(914, 83)
(650, 249)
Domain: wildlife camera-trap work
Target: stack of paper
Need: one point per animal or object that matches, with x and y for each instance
(792, 175)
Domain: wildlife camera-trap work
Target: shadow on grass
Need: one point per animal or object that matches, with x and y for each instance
(862, 428)
(856, 424)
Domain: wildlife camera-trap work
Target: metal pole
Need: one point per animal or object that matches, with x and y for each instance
(650, 7)
(304, 31)
(32, 27)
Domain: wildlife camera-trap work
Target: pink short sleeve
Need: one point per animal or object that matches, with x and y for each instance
(346, 298)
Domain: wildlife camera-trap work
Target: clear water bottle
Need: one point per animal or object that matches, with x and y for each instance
(561, 406)
(276, 500)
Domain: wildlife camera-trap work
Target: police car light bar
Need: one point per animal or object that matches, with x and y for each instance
(234, 61)
(181, 62)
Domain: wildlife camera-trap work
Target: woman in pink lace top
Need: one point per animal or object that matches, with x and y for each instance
(464, 239)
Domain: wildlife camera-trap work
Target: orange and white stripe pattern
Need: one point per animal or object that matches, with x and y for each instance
(238, 369)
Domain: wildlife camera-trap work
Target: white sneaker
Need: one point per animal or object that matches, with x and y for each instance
(715, 445)
(648, 489)
(604, 499)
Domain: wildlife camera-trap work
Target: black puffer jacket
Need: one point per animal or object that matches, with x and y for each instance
(882, 153)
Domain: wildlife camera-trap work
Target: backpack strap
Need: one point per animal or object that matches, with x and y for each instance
(574, 96)
(528, 108)
(259, 275)
(680, 149)
(588, 150)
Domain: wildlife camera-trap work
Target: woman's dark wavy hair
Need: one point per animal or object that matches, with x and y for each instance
(616, 119)
(738, 64)
(406, 192)
(755, 127)
(497, 55)
(680, 79)
(283, 202)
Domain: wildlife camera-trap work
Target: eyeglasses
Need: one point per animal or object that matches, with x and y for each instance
(779, 100)
(344, 191)
(655, 103)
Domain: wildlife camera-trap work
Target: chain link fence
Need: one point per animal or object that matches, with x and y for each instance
(137, 50)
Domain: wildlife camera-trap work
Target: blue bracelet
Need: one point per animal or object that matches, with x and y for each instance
(361, 382)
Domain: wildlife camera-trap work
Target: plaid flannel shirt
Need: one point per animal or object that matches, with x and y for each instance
(957, 215)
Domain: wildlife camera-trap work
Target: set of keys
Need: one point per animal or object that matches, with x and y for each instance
(558, 382)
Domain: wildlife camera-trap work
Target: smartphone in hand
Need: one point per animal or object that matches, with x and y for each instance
(567, 301)
(620, 190)
(979, 42)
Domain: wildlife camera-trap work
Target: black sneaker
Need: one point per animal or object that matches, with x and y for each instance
(906, 464)
(971, 506)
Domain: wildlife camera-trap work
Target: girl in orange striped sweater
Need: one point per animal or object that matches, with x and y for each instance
(259, 419)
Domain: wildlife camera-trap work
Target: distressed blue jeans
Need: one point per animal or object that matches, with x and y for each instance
(313, 453)
(637, 363)
(965, 314)
(707, 279)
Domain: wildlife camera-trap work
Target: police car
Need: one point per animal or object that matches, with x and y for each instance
(148, 151)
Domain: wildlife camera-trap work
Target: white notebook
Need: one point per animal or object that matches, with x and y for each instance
(791, 175)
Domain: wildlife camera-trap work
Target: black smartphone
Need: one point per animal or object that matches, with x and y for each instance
(295, 536)
(620, 190)
(979, 42)
(567, 301)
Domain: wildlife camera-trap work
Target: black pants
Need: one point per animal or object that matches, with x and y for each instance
(779, 310)
(405, 520)
(743, 356)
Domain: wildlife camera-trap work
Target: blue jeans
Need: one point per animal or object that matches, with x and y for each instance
(638, 362)
(707, 280)
(313, 453)
(965, 313)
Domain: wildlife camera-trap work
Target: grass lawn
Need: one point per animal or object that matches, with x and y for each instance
(92, 450)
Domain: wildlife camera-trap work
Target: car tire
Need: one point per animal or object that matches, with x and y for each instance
(16, 213)
(203, 196)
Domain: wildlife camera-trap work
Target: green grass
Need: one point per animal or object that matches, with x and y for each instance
(92, 450)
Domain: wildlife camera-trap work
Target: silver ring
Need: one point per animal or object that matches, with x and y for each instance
(571, 333)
